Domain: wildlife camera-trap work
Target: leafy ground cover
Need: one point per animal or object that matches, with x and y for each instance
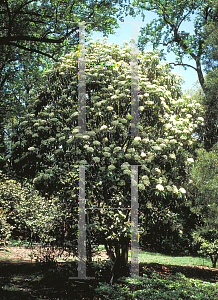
(162, 279)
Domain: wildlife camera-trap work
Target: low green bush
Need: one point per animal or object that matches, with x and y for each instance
(5, 227)
(24, 209)
(22, 243)
(155, 286)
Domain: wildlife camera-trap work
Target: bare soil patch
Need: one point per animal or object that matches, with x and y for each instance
(15, 254)
(23, 254)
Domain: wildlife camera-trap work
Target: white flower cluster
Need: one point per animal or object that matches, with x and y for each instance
(172, 155)
(127, 172)
(111, 167)
(90, 149)
(103, 127)
(109, 116)
(160, 187)
(96, 159)
(145, 180)
(116, 149)
(106, 154)
(31, 148)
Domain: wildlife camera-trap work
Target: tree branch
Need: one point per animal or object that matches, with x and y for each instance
(7, 40)
(23, 5)
(179, 40)
(187, 65)
(9, 17)
(33, 51)
(166, 44)
(200, 74)
(183, 19)
(4, 80)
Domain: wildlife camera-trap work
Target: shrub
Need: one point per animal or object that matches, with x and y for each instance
(26, 210)
(156, 286)
(5, 228)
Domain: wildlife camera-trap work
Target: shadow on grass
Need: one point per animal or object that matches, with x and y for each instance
(51, 281)
(44, 281)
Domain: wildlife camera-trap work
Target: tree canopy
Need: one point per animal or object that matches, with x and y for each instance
(30, 25)
(166, 29)
(34, 34)
(166, 32)
(48, 145)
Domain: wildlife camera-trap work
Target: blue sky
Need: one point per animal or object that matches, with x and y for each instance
(124, 34)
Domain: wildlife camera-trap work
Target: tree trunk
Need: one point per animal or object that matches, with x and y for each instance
(200, 73)
(109, 252)
(124, 255)
(214, 260)
(120, 267)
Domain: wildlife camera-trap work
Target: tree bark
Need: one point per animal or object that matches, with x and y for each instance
(200, 73)
(124, 255)
(109, 252)
(214, 260)
(120, 267)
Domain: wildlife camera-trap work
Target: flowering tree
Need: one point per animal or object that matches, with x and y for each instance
(48, 146)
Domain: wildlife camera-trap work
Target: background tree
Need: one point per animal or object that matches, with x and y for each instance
(210, 99)
(34, 34)
(166, 32)
(202, 194)
(48, 145)
(166, 29)
(31, 25)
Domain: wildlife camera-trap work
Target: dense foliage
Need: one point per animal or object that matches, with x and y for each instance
(203, 197)
(34, 34)
(24, 210)
(155, 286)
(48, 145)
(210, 99)
(198, 42)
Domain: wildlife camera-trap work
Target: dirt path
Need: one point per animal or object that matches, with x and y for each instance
(15, 254)
(23, 254)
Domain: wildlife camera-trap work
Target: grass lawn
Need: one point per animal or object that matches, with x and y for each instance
(154, 257)
(150, 257)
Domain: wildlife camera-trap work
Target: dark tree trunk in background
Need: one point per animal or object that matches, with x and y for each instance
(109, 251)
(214, 260)
(120, 267)
(2, 143)
(211, 129)
(124, 255)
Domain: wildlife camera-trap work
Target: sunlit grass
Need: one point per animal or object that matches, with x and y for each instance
(144, 257)
(150, 257)
(154, 257)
